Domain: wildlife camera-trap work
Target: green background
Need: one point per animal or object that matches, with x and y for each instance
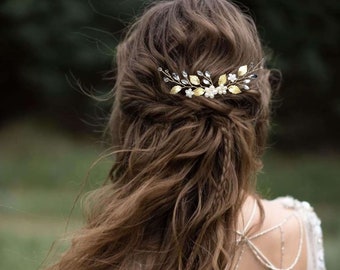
(50, 132)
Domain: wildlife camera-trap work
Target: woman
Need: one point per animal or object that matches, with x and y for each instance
(190, 120)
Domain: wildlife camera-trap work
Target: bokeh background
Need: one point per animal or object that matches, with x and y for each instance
(50, 132)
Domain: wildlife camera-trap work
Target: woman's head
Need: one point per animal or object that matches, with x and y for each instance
(183, 165)
(191, 35)
(204, 151)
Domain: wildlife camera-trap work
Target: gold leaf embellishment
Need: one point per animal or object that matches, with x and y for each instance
(234, 89)
(242, 70)
(202, 84)
(222, 80)
(194, 80)
(175, 89)
(199, 91)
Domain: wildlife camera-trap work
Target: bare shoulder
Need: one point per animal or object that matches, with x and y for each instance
(310, 225)
(288, 241)
(278, 212)
(277, 241)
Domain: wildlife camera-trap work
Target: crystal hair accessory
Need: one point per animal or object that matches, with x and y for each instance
(202, 84)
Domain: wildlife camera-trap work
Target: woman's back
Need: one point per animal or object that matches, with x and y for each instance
(288, 237)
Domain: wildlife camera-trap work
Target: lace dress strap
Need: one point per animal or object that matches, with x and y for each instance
(309, 230)
(313, 232)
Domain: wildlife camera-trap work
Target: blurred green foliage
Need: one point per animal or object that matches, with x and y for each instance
(46, 46)
(304, 38)
(45, 43)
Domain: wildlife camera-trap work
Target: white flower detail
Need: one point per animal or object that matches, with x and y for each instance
(189, 93)
(222, 89)
(232, 77)
(210, 91)
(201, 82)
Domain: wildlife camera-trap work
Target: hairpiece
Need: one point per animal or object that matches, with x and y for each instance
(201, 84)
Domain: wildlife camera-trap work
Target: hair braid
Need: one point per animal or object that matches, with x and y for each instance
(222, 197)
(228, 170)
(182, 165)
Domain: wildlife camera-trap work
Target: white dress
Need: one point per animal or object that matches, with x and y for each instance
(313, 232)
(309, 231)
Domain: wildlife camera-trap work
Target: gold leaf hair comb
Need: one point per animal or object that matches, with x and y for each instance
(201, 84)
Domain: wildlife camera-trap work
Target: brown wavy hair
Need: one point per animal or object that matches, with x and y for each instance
(183, 166)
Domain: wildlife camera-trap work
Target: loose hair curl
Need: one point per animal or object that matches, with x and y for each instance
(183, 166)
